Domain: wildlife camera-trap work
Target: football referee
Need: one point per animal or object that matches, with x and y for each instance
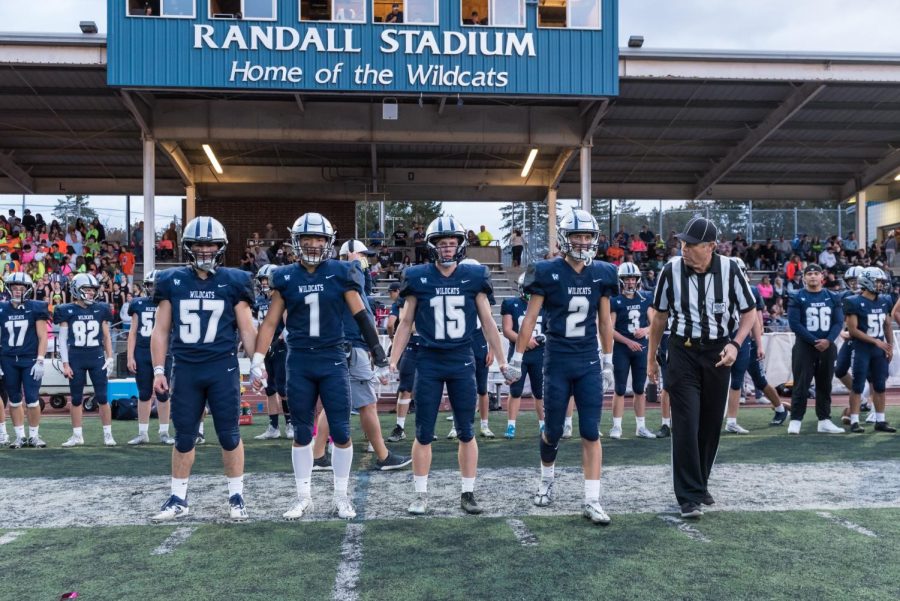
(706, 297)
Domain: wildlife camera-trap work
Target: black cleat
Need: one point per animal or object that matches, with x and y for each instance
(884, 427)
(397, 434)
(691, 510)
(708, 499)
(664, 432)
(779, 418)
(393, 462)
(856, 428)
(322, 464)
(469, 504)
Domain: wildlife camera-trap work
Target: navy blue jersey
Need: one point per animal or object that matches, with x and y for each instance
(445, 306)
(516, 308)
(571, 300)
(631, 314)
(815, 315)
(315, 302)
(85, 326)
(18, 330)
(145, 309)
(395, 308)
(204, 323)
(261, 309)
(872, 316)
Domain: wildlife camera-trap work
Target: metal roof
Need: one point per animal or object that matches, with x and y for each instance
(687, 124)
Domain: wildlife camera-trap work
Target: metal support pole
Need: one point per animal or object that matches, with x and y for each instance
(128, 220)
(750, 224)
(190, 203)
(840, 223)
(795, 222)
(862, 225)
(586, 177)
(149, 205)
(551, 221)
(660, 230)
(381, 216)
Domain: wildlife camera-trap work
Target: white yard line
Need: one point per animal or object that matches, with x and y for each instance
(502, 492)
(525, 537)
(176, 538)
(847, 524)
(347, 579)
(691, 532)
(10, 537)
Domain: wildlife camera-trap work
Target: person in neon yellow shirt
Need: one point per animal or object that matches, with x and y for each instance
(484, 237)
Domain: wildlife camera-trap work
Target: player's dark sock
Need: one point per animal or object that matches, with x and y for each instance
(273, 420)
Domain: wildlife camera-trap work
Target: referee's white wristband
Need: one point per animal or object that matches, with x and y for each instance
(159, 370)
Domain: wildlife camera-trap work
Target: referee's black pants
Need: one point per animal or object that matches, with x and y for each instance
(808, 363)
(698, 393)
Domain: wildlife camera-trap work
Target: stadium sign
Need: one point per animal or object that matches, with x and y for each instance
(484, 47)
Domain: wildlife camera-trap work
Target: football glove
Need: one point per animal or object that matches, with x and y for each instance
(513, 370)
(257, 369)
(37, 371)
(608, 382)
(109, 365)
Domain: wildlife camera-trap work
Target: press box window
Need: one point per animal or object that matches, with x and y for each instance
(250, 10)
(348, 11)
(161, 8)
(574, 14)
(411, 12)
(496, 13)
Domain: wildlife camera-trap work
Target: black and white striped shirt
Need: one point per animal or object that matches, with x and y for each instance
(703, 306)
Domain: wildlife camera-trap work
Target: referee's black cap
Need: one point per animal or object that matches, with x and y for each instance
(699, 230)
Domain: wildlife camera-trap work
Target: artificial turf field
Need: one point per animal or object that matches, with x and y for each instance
(754, 545)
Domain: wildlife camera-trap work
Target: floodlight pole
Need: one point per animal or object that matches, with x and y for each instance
(149, 204)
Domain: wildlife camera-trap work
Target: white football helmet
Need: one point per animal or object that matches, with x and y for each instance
(311, 225)
(150, 282)
(629, 278)
(265, 273)
(17, 279)
(82, 282)
(445, 227)
(851, 277)
(204, 230)
(578, 221)
(352, 246)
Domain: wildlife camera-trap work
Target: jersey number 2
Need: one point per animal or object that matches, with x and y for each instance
(578, 309)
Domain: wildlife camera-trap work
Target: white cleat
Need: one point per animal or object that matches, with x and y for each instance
(544, 495)
(567, 431)
(165, 438)
(173, 509)
(827, 427)
(300, 508)
(486, 432)
(139, 439)
(73, 441)
(615, 432)
(452, 434)
(643, 432)
(269, 434)
(289, 431)
(370, 448)
(344, 508)
(595, 513)
(4, 437)
(736, 428)
(236, 508)
(794, 426)
(108, 440)
(419, 505)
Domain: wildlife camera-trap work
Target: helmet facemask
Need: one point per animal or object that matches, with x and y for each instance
(19, 293)
(311, 254)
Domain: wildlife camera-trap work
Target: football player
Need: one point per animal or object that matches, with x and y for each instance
(512, 311)
(629, 314)
(407, 366)
(868, 317)
(845, 353)
(276, 384)
(314, 291)
(23, 331)
(85, 347)
(444, 298)
(204, 307)
(665, 428)
(574, 290)
(143, 314)
(816, 318)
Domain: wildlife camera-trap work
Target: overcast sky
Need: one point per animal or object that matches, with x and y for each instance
(798, 25)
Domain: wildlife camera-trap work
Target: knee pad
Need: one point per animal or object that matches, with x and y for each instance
(303, 435)
(14, 405)
(144, 400)
(184, 443)
(588, 432)
(340, 437)
(75, 402)
(102, 401)
(30, 405)
(229, 439)
(466, 434)
(425, 436)
(548, 451)
(162, 398)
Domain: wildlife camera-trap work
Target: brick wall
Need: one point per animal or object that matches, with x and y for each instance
(243, 217)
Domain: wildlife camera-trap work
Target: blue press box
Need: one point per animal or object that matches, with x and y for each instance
(121, 389)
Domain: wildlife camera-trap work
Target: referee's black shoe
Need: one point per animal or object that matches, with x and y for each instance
(691, 510)
(884, 427)
(708, 499)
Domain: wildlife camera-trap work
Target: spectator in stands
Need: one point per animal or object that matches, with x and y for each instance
(270, 233)
(137, 238)
(876, 254)
(672, 242)
(650, 280)
(827, 259)
(472, 238)
(485, 237)
(98, 227)
(777, 321)
(890, 250)
(723, 247)
(386, 260)
(602, 247)
(406, 262)
(615, 253)
(419, 244)
(516, 245)
(74, 239)
(171, 234)
(255, 240)
(248, 261)
(376, 238)
(261, 257)
(638, 248)
(622, 237)
(752, 256)
(795, 284)
(793, 267)
(400, 235)
(850, 243)
(766, 291)
(29, 221)
(647, 235)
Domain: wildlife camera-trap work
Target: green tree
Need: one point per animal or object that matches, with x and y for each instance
(73, 206)
(532, 218)
(395, 213)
